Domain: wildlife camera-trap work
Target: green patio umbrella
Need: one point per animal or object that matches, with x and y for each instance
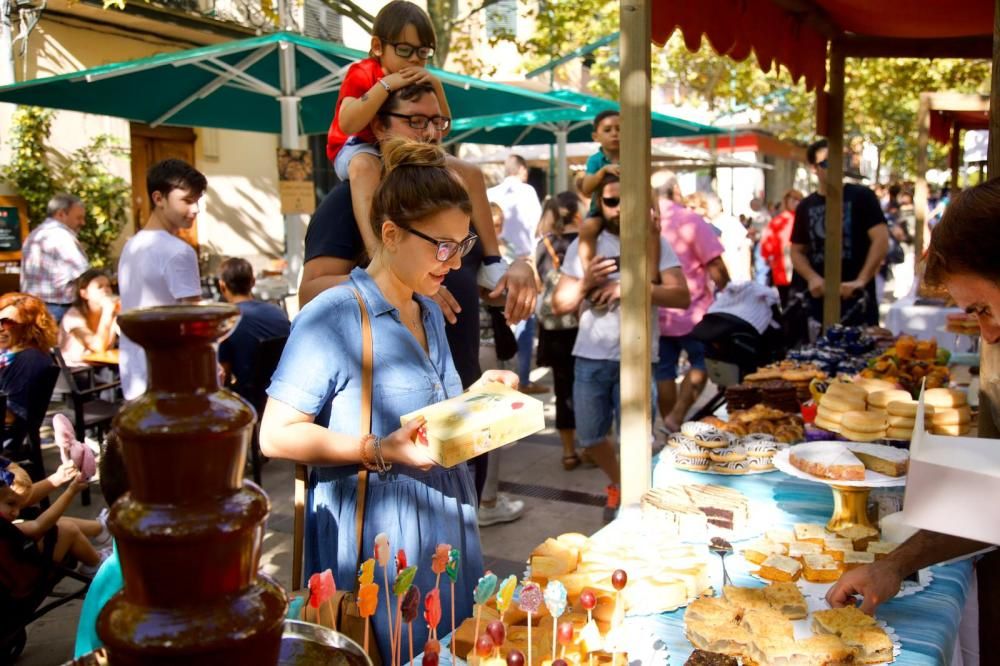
(570, 122)
(241, 85)
(281, 83)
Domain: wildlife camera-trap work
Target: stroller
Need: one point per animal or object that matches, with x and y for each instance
(27, 579)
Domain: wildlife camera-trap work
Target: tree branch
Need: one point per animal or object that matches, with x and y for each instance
(451, 23)
(353, 11)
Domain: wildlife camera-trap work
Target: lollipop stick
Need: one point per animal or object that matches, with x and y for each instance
(409, 629)
(479, 617)
(529, 639)
(333, 616)
(590, 656)
(452, 616)
(555, 627)
(388, 609)
(399, 630)
(366, 635)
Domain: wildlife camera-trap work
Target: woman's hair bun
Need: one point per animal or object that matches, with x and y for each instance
(399, 152)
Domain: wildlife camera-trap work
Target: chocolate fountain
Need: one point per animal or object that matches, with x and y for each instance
(189, 532)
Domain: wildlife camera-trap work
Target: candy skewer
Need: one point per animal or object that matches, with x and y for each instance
(555, 602)
(618, 580)
(530, 602)
(382, 557)
(589, 601)
(484, 590)
(452, 570)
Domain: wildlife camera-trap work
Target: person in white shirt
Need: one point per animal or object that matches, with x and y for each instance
(735, 239)
(52, 257)
(156, 266)
(521, 210)
(596, 291)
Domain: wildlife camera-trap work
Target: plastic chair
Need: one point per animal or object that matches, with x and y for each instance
(25, 442)
(268, 355)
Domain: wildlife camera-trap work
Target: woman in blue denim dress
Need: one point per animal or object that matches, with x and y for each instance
(421, 215)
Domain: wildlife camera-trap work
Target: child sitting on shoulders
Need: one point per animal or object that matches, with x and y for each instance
(607, 130)
(403, 40)
(55, 535)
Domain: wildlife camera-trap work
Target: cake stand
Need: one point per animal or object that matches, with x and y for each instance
(850, 498)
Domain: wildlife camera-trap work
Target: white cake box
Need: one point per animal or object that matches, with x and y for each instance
(952, 484)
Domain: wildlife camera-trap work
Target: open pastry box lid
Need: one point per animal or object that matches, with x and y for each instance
(952, 482)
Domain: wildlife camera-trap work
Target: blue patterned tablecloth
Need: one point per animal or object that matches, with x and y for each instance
(926, 622)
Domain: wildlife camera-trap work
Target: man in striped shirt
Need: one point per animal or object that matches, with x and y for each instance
(52, 258)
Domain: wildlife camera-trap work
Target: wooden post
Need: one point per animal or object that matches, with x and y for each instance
(920, 194)
(832, 251)
(636, 345)
(955, 158)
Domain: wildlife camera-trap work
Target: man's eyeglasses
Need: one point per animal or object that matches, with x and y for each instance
(611, 202)
(823, 164)
(447, 249)
(404, 50)
(419, 121)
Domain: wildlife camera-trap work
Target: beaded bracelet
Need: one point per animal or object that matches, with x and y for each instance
(383, 467)
(369, 463)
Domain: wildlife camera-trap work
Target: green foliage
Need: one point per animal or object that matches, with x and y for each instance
(83, 173)
(29, 171)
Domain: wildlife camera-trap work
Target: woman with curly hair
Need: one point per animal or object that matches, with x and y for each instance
(27, 334)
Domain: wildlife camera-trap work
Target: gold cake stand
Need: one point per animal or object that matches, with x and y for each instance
(850, 507)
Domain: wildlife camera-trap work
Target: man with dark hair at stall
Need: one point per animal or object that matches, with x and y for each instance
(864, 247)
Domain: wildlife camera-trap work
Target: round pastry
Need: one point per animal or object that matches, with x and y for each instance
(862, 435)
(758, 437)
(835, 402)
(691, 448)
(758, 448)
(761, 426)
(760, 463)
(691, 463)
(714, 421)
(899, 433)
(951, 430)
(871, 384)
(904, 422)
(728, 453)
(880, 412)
(735, 428)
(820, 422)
(908, 408)
(694, 428)
(863, 422)
(951, 415)
(713, 439)
(731, 467)
(829, 414)
(676, 439)
(846, 391)
(882, 398)
(944, 397)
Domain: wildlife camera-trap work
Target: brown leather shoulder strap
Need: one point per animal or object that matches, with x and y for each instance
(366, 420)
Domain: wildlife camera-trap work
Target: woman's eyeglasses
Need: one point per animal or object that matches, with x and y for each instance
(611, 202)
(404, 50)
(418, 121)
(7, 323)
(447, 249)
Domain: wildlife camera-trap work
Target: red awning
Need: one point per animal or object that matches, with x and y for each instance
(942, 120)
(797, 40)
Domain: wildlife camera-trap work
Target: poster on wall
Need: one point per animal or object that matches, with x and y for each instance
(295, 182)
(13, 227)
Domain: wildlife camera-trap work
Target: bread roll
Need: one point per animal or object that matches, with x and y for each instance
(951, 415)
(842, 403)
(945, 397)
(863, 422)
(908, 408)
(883, 398)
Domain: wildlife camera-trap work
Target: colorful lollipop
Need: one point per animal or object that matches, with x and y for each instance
(400, 560)
(619, 579)
(366, 574)
(565, 635)
(432, 611)
(409, 608)
(404, 579)
(506, 594)
(484, 590)
(432, 652)
(382, 557)
(439, 562)
(530, 602)
(295, 606)
(555, 601)
(321, 590)
(451, 568)
(367, 604)
(589, 601)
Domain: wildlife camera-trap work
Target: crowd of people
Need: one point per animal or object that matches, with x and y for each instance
(410, 244)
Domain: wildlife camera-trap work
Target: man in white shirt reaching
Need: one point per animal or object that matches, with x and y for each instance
(156, 266)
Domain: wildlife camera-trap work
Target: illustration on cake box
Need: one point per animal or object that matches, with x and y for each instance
(480, 420)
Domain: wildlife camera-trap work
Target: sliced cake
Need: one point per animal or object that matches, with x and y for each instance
(871, 645)
(787, 599)
(780, 568)
(820, 568)
(828, 460)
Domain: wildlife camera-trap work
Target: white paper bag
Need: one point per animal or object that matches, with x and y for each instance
(953, 484)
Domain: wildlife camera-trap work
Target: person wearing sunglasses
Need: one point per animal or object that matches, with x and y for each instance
(864, 248)
(421, 214)
(594, 291)
(27, 333)
(403, 40)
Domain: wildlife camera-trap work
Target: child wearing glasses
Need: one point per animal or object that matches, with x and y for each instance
(403, 40)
